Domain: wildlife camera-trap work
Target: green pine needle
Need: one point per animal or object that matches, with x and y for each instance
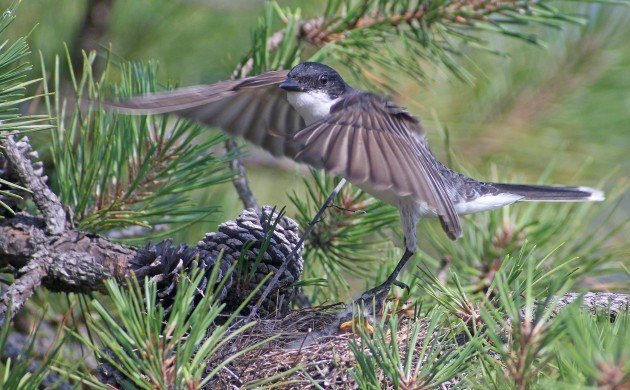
(117, 170)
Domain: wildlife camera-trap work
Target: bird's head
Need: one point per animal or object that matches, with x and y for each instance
(313, 77)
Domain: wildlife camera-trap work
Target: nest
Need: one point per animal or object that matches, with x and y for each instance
(309, 344)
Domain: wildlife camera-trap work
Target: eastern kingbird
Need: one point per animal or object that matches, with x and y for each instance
(312, 116)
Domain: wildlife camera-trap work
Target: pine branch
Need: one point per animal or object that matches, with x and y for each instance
(397, 34)
(30, 277)
(14, 81)
(115, 171)
(239, 180)
(45, 199)
(73, 261)
(13, 196)
(80, 262)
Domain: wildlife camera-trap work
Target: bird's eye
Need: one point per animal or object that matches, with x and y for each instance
(323, 79)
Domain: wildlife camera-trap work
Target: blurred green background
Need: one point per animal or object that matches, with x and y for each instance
(567, 104)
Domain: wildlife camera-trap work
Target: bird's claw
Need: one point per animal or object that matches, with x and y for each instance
(354, 324)
(372, 301)
(402, 285)
(380, 292)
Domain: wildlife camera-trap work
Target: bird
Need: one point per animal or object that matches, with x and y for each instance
(311, 115)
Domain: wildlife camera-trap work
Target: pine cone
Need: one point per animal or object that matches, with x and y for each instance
(247, 233)
(164, 262)
(7, 173)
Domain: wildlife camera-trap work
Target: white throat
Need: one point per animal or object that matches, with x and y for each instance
(312, 106)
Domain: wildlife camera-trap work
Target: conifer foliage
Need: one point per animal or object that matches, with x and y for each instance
(500, 308)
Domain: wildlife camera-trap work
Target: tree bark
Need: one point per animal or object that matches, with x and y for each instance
(70, 262)
(44, 198)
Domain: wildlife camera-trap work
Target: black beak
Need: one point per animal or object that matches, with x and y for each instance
(289, 85)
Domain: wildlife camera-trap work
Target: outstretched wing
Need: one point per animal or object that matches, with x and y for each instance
(253, 108)
(367, 139)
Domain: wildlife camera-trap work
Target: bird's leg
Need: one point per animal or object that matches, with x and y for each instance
(379, 293)
(373, 299)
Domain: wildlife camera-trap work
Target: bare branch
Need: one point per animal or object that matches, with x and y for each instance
(70, 262)
(23, 288)
(240, 177)
(45, 199)
(597, 301)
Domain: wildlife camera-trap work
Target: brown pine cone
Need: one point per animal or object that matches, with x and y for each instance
(164, 262)
(247, 234)
(241, 242)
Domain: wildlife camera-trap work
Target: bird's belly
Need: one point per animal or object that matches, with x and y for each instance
(387, 195)
(483, 203)
(390, 196)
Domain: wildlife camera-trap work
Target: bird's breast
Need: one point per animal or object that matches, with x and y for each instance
(312, 106)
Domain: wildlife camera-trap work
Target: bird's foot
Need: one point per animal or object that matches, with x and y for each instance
(356, 323)
(371, 303)
(378, 294)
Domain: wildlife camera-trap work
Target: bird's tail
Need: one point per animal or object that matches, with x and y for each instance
(551, 193)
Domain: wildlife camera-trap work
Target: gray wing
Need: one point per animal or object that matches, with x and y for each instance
(253, 108)
(368, 139)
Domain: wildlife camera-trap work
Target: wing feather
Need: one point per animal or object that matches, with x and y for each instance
(318, 144)
(246, 117)
(254, 108)
(365, 138)
(369, 140)
(337, 159)
(407, 184)
(231, 112)
(380, 169)
(358, 161)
